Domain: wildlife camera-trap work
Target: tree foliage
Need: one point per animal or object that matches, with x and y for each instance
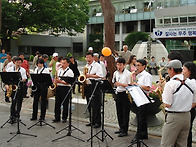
(57, 16)
(134, 37)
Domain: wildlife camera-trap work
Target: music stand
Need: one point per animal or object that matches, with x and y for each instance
(71, 81)
(14, 78)
(140, 98)
(105, 88)
(10, 78)
(41, 79)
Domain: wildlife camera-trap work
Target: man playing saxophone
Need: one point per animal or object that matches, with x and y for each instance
(41, 90)
(61, 91)
(17, 101)
(94, 74)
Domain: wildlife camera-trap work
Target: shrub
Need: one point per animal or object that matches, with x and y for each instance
(31, 58)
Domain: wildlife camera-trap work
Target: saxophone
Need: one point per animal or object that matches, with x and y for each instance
(82, 79)
(54, 85)
(160, 90)
(129, 96)
(10, 90)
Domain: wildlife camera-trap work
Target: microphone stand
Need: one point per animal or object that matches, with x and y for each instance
(18, 118)
(69, 127)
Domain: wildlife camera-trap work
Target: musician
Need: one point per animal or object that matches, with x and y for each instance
(179, 96)
(121, 79)
(94, 74)
(17, 102)
(42, 90)
(145, 82)
(61, 91)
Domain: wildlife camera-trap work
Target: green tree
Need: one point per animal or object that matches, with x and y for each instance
(134, 37)
(57, 16)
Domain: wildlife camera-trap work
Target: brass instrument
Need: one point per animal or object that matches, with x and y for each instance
(54, 85)
(129, 96)
(82, 79)
(10, 90)
(160, 91)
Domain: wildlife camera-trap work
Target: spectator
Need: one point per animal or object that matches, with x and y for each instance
(131, 65)
(96, 58)
(152, 65)
(53, 63)
(25, 65)
(9, 59)
(35, 60)
(74, 67)
(3, 57)
(90, 49)
(162, 63)
(125, 53)
(58, 64)
(45, 58)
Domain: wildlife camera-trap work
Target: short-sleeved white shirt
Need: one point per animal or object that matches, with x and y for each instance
(145, 79)
(124, 77)
(10, 64)
(42, 70)
(182, 100)
(21, 70)
(65, 73)
(95, 69)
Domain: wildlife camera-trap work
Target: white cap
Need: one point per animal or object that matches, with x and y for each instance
(90, 49)
(96, 54)
(55, 55)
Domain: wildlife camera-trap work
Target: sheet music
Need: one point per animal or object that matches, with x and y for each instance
(138, 95)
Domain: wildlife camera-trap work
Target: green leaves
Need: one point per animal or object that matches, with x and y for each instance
(41, 15)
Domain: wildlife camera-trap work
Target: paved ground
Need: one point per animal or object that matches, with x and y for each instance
(46, 134)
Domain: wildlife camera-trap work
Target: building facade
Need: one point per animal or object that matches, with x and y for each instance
(144, 15)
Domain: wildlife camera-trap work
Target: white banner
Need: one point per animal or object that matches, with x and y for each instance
(174, 32)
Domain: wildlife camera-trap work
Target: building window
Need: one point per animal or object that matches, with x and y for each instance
(167, 20)
(175, 19)
(117, 28)
(77, 47)
(192, 18)
(183, 20)
(24, 49)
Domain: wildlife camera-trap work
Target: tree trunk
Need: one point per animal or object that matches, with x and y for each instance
(109, 31)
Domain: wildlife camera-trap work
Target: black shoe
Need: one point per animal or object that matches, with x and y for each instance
(55, 120)
(7, 100)
(117, 132)
(122, 134)
(64, 121)
(96, 126)
(88, 125)
(33, 118)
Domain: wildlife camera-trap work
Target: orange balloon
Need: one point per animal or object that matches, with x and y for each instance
(106, 51)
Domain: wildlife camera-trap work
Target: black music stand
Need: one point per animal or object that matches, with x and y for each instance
(71, 81)
(105, 88)
(138, 94)
(14, 78)
(41, 79)
(10, 78)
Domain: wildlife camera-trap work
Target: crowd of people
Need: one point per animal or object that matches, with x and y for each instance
(179, 94)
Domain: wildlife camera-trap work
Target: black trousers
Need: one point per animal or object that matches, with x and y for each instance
(95, 103)
(42, 91)
(123, 111)
(16, 105)
(189, 141)
(155, 69)
(61, 92)
(142, 127)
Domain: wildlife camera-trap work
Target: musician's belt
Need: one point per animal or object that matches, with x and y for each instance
(176, 111)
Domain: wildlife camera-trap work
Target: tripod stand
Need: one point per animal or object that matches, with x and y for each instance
(70, 126)
(105, 86)
(16, 77)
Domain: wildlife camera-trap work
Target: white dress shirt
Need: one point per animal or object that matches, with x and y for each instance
(145, 79)
(124, 77)
(21, 70)
(95, 69)
(10, 64)
(42, 70)
(182, 100)
(65, 73)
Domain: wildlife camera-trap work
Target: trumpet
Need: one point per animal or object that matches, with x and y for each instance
(82, 79)
(10, 90)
